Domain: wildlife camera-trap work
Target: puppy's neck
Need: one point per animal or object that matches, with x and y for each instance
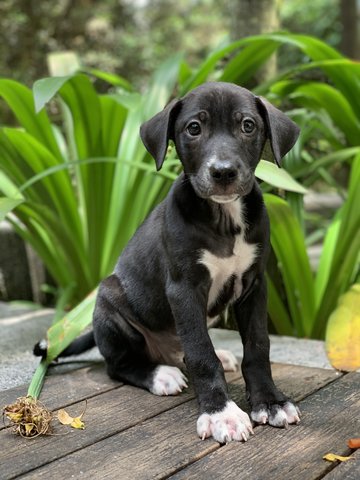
(228, 218)
(225, 219)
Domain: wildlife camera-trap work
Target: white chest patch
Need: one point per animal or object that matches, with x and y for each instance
(222, 268)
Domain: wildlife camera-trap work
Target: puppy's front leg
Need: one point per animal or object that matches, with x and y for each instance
(219, 417)
(268, 404)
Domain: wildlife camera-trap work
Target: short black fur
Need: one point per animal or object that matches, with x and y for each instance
(159, 288)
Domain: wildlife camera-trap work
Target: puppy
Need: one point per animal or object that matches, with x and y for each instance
(202, 249)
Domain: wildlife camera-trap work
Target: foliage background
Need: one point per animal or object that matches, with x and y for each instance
(131, 38)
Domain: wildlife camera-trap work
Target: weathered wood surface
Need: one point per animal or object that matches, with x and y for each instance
(330, 417)
(129, 430)
(112, 408)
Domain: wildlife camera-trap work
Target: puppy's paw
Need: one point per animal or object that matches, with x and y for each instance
(277, 415)
(168, 381)
(231, 423)
(228, 360)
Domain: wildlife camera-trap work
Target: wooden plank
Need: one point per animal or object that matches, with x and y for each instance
(158, 446)
(330, 417)
(349, 470)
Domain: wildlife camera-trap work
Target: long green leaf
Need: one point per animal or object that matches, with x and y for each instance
(80, 96)
(162, 86)
(244, 65)
(131, 147)
(328, 65)
(56, 190)
(110, 78)
(47, 240)
(289, 246)
(343, 155)
(8, 188)
(280, 178)
(64, 331)
(328, 98)
(327, 255)
(277, 311)
(343, 243)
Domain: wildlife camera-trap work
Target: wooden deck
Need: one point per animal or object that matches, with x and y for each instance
(131, 434)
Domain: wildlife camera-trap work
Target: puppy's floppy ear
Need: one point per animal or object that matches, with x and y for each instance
(282, 132)
(156, 132)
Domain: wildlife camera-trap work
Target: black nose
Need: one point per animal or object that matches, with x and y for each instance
(223, 173)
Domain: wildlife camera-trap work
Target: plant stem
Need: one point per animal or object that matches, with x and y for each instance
(38, 378)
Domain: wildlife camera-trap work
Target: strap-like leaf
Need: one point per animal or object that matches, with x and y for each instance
(289, 246)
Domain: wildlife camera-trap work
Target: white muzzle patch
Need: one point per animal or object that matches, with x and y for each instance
(224, 198)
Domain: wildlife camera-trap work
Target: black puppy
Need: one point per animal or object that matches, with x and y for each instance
(203, 248)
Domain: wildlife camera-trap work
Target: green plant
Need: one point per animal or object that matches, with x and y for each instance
(80, 178)
(329, 116)
(76, 181)
(73, 187)
(300, 303)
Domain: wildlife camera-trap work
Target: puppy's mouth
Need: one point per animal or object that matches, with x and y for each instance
(224, 198)
(222, 193)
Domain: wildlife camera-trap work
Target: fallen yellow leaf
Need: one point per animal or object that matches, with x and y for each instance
(77, 423)
(343, 332)
(332, 457)
(64, 417)
(74, 422)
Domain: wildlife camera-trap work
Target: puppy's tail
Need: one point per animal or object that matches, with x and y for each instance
(80, 345)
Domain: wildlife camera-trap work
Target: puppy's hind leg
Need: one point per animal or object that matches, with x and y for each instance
(228, 360)
(124, 347)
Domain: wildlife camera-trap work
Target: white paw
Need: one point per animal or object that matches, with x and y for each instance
(276, 415)
(228, 360)
(229, 424)
(168, 381)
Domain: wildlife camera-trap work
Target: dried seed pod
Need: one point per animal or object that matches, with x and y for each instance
(28, 417)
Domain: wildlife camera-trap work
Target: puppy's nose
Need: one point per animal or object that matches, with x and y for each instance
(223, 173)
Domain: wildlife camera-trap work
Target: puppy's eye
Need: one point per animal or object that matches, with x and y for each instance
(193, 129)
(248, 125)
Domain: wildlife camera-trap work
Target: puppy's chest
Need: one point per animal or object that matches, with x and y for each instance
(226, 272)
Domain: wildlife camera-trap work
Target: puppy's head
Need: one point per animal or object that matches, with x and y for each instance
(219, 130)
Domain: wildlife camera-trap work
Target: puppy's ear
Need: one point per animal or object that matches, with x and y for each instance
(281, 131)
(156, 132)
